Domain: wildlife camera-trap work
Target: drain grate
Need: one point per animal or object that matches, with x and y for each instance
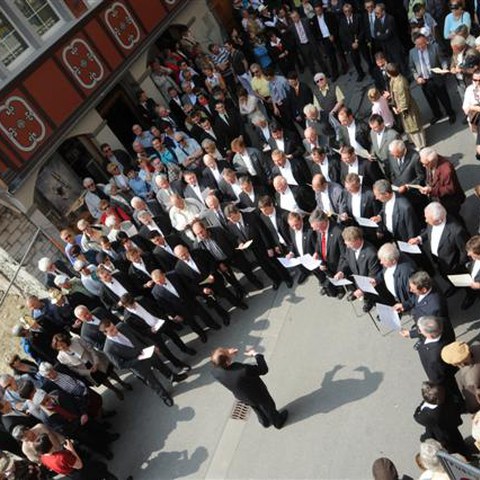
(240, 411)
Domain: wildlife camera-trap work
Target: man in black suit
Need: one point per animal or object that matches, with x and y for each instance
(353, 40)
(326, 164)
(368, 19)
(144, 317)
(222, 247)
(387, 38)
(90, 323)
(275, 219)
(369, 172)
(228, 123)
(293, 198)
(212, 173)
(425, 300)
(359, 200)
(249, 161)
(244, 382)
(379, 73)
(51, 269)
(329, 247)
(429, 348)
(141, 266)
(176, 107)
(299, 95)
(324, 27)
(397, 219)
(287, 142)
(118, 157)
(178, 300)
(114, 286)
(125, 349)
(159, 223)
(440, 419)
(163, 251)
(247, 226)
(443, 241)
(352, 132)
(250, 194)
(200, 269)
(393, 281)
(305, 43)
(114, 253)
(211, 132)
(147, 106)
(196, 187)
(360, 258)
(293, 169)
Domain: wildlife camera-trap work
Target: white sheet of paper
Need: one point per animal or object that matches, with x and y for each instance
(309, 262)
(248, 209)
(366, 222)
(363, 283)
(244, 245)
(407, 248)
(462, 280)
(289, 262)
(362, 152)
(147, 353)
(395, 188)
(388, 316)
(339, 283)
(158, 326)
(439, 70)
(205, 281)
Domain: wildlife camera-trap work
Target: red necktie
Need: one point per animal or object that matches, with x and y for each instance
(324, 247)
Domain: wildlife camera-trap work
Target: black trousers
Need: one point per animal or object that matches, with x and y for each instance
(331, 53)
(310, 55)
(435, 93)
(267, 413)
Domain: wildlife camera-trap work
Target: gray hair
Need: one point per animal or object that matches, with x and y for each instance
(80, 309)
(458, 41)
(428, 153)
(207, 142)
(87, 180)
(258, 117)
(310, 108)
(436, 210)
(428, 455)
(143, 214)
(397, 144)
(431, 325)
(318, 215)
(389, 251)
(160, 178)
(383, 186)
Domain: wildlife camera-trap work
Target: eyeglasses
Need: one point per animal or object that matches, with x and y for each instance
(320, 80)
(475, 79)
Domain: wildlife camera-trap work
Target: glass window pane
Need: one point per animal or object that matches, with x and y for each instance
(38, 13)
(11, 42)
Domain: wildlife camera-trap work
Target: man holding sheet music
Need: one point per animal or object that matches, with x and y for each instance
(473, 251)
(360, 258)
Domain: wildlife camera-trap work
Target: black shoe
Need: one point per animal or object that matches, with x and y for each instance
(468, 301)
(109, 413)
(477, 156)
(258, 284)
(452, 119)
(302, 278)
(213, 326)
(204, 338)
(190, 351)
(360, 77)
(113, 437)
(240, 293)
(434, 120)
(351, 297)
(283, 419)
(178, 377)
(167, 399)
(184, 369)
(340, 294)
(226, 320)
(127, 386)
(108, 455)
(465, 121)
(242, 305)
(367, 306)
(289, 283)
(275, 286)
(323, 291)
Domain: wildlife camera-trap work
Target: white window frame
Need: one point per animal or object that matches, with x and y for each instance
(51, 31)
(28, 51)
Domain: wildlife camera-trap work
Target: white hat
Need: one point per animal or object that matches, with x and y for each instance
(60, 280)
(318, 76)
(44, 263)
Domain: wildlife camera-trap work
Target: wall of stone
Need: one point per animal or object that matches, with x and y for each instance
(16, 233)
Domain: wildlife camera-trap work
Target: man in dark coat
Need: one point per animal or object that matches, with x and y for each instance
(246, 385)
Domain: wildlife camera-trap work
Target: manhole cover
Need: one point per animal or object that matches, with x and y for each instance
(240, 411)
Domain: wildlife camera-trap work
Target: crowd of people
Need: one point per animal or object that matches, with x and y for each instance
(254, 156)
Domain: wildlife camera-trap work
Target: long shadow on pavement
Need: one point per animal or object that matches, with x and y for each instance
(333, 394)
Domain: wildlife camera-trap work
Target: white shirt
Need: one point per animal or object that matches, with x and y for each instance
(389, 280)
(437, 231)
(141, 266)
(432, 340)
(357, 204)
(249, 164)
(286, 172)
(237, 190)
(192, 265)
(389, 206)
(288, 202)
(299, 241)
(281, 145)
(216, 174)
(121, 339)
(379, 137)
(273, 219)
(323, 26)
(301, 32)
(326, 205)
(266, 132)
(421, 297)
(168, 285)
(352, 130)
(324, 169)
(470, 98)
(116, 287)
(146, 316)
(475, 269)
(431, 406)
(94, 320)
(353, 168)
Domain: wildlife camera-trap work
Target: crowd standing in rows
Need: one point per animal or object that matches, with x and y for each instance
(255, 154)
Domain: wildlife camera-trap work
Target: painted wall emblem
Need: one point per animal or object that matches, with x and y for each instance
(122, 25)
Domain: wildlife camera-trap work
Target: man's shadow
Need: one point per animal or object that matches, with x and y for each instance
(333, 394)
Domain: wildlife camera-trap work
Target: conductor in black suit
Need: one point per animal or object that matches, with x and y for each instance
(244, 381)
(90, 321)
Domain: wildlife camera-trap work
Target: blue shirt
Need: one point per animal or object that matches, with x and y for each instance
(279, 88)
(139, 186)
(451, 23)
